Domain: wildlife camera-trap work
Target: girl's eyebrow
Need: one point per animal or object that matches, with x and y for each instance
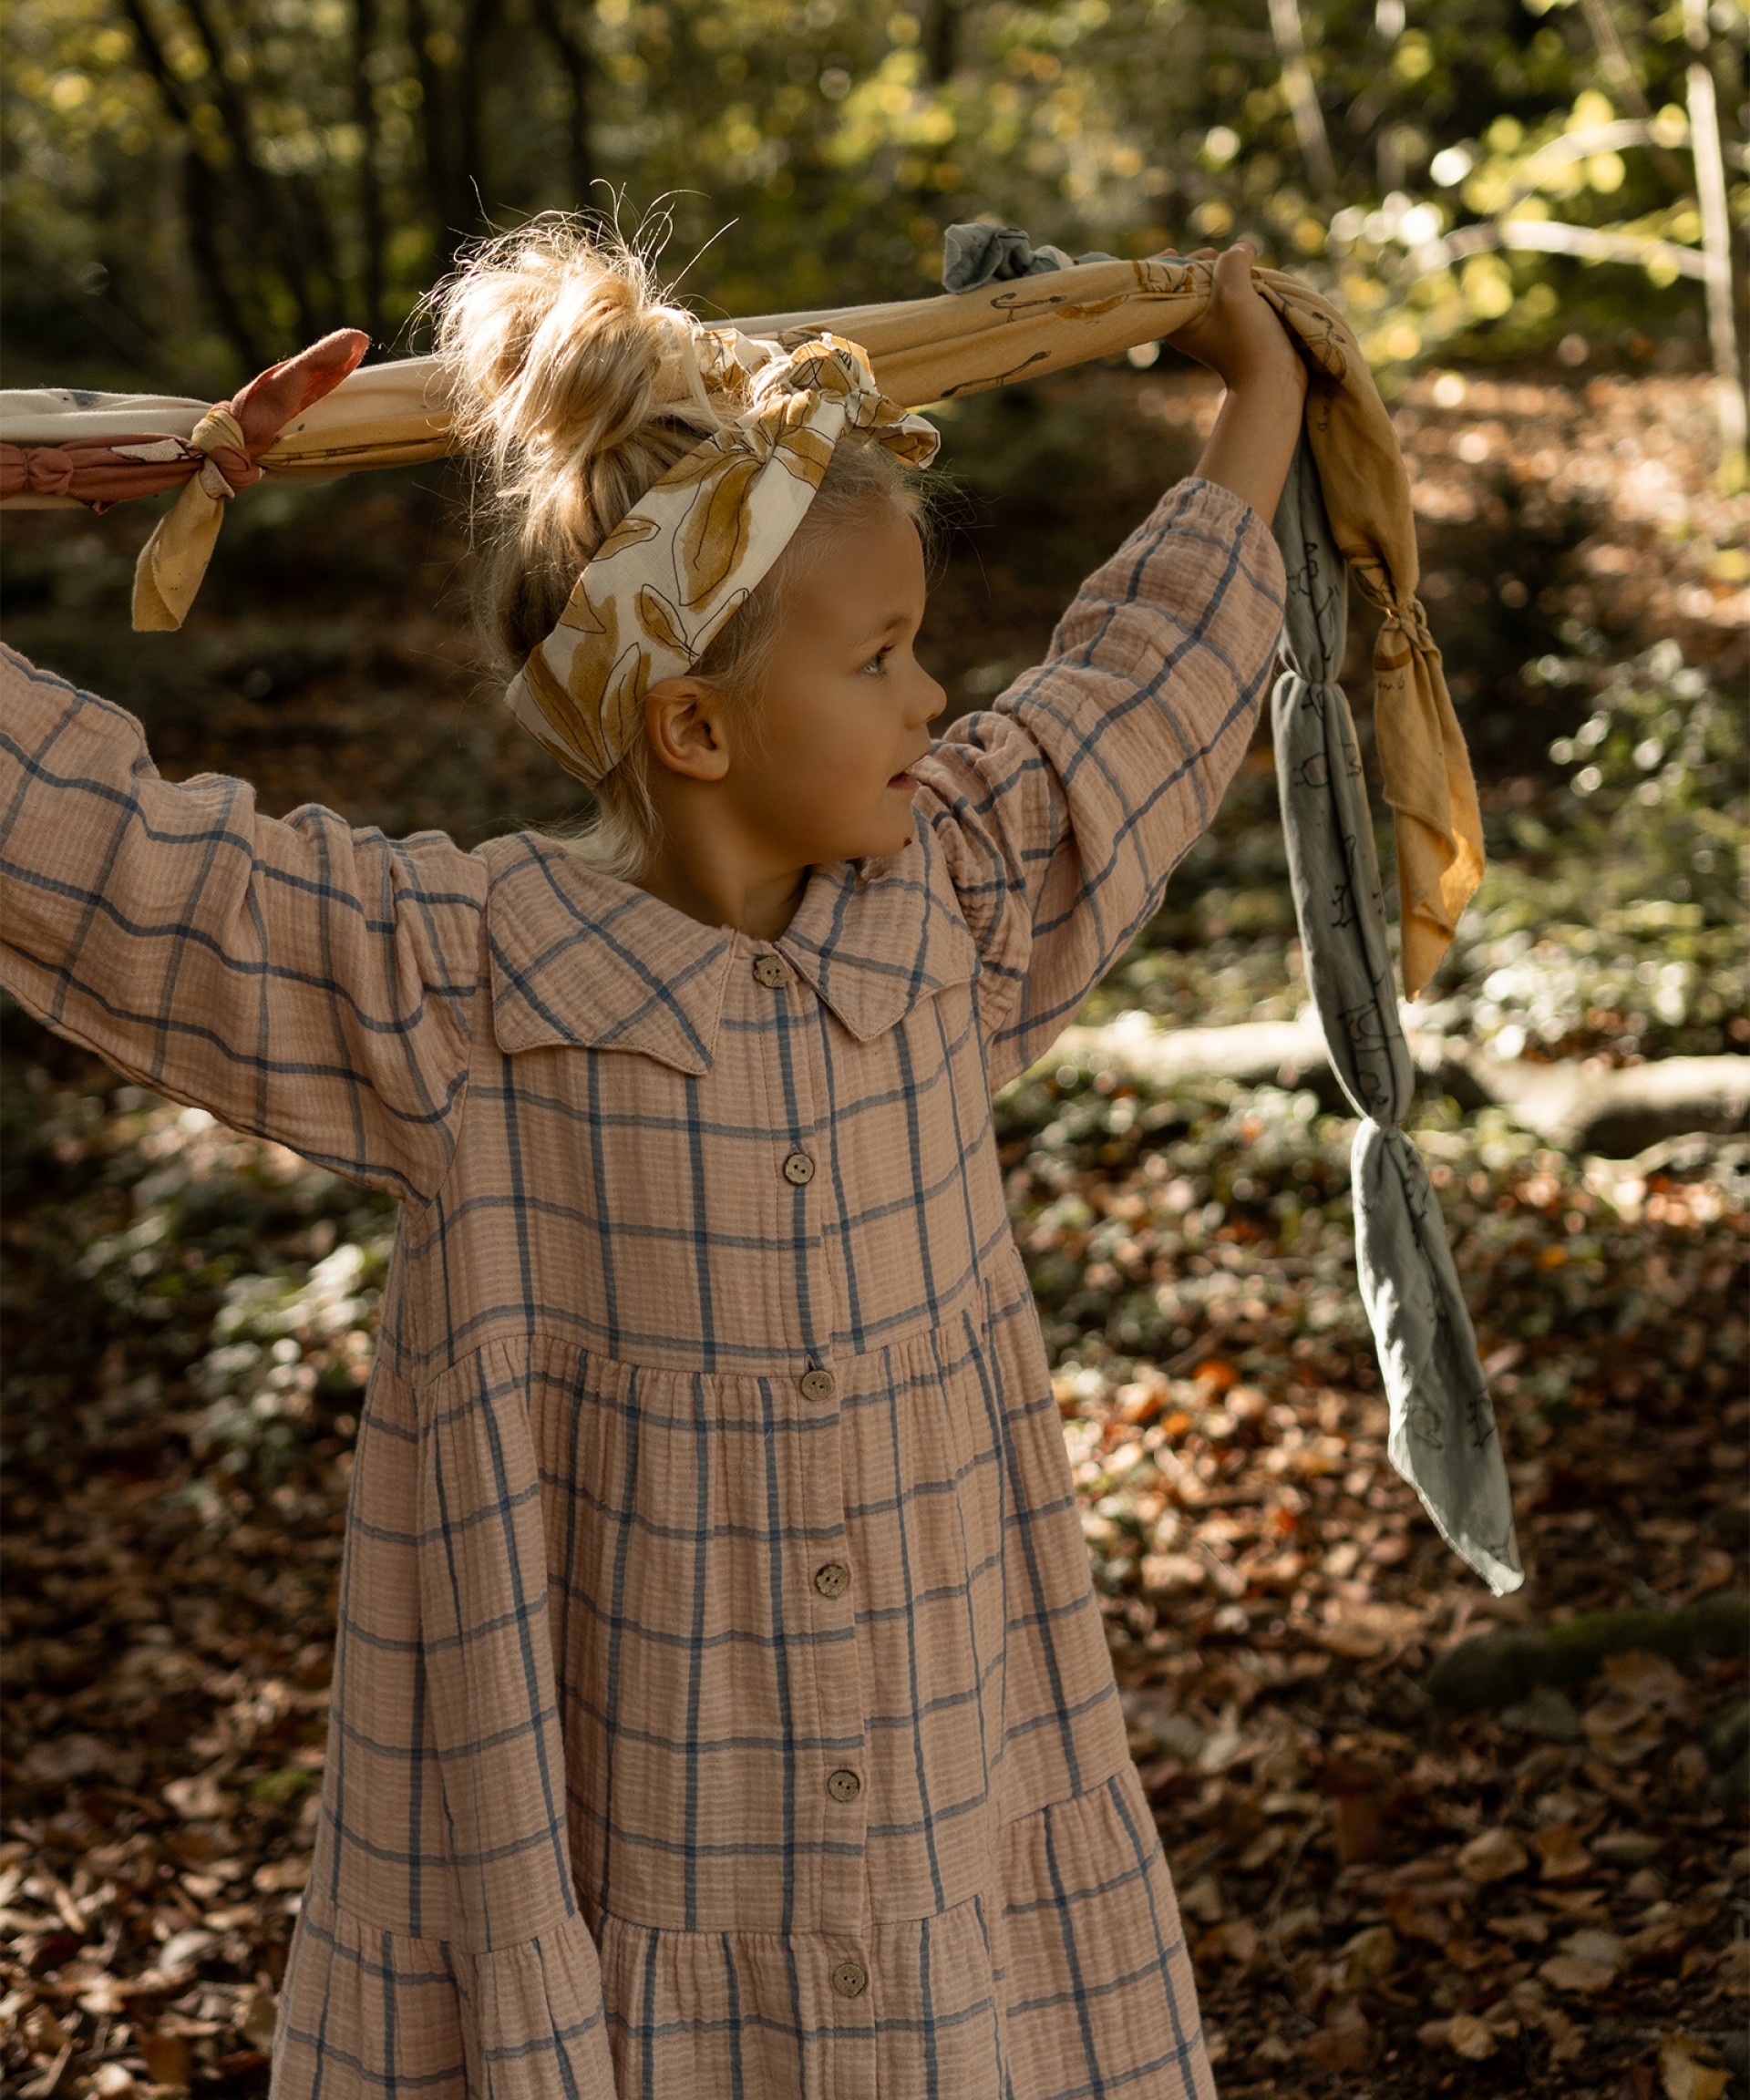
(893, 621)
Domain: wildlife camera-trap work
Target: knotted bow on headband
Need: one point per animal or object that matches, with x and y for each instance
(664, 582)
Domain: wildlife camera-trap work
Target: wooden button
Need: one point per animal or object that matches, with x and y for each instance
(849, 1977)
(800, 1168)
(844, 1785)
(817, 1384)
(833, 1579)
(771, 970)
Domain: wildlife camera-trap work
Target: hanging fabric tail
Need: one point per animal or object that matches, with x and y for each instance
(1443, 1436)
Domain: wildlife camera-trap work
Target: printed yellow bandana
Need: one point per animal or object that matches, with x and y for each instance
(663, 583)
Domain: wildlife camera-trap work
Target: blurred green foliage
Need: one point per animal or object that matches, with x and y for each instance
(197, 187)
(1613, 917)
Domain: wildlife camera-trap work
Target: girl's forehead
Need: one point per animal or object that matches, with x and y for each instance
(864, 571)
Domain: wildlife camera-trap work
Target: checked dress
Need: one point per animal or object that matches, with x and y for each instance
(721, 1708)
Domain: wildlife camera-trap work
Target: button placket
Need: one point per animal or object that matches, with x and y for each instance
(838, 1894)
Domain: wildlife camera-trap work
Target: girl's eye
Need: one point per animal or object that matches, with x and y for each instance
(878, 662)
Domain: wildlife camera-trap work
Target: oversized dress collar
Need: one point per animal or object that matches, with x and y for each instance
(579, 958)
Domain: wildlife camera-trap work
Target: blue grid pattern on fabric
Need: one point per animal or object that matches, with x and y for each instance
(695, 1728)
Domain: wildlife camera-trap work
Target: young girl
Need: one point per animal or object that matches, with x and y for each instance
(721, 1708)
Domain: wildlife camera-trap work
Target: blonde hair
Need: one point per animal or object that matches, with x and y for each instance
(573, 386)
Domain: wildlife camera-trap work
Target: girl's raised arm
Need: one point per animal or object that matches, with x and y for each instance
(1062, 809)
(302, 979)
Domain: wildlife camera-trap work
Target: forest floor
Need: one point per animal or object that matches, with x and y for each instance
(1386, 1896)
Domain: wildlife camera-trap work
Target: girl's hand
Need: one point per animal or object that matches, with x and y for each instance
(1238, 334)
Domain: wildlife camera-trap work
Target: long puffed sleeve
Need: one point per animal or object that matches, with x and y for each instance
(1062, 808)
(302, 979)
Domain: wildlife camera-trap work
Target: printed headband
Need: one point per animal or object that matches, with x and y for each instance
(662, 584)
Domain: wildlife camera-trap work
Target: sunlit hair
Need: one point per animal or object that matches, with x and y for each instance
(573, 388)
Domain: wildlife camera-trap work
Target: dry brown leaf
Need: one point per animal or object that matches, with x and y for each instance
(58, 1759)
(1235, 1940)
(1563, 1855)
(1684, 2077)
(196, 1799)
(1468, 2036)
(256, 2017)
(1566, 2041)
(182, 1953)
(1493, 1855)
(1654, 1680)
(1589, 1961)
(43, 2033)
(1416, 1918)
(1358, 1827)
(1571, 1972)
(1346, 2044)
(169, 2059)
(1369, 1958)
(277, 1875)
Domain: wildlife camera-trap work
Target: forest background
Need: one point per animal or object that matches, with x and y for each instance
(1523, 1876)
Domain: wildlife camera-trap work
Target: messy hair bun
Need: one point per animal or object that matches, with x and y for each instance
(572, 383)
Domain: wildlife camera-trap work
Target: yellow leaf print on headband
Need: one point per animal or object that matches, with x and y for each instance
(664, 582)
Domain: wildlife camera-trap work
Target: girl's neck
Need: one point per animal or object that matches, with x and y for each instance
(759, 907)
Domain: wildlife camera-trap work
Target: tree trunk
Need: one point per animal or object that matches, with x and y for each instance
(574, 56)
(941, 39)
(200, 194)
(272, 224)
(370, 187)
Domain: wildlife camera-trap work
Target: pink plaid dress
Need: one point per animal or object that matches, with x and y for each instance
(721, 1708)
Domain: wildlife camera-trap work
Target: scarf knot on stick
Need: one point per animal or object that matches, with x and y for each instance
(219, 459)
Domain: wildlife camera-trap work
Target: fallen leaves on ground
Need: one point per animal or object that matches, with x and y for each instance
(1529, 1898)
(1374, 1889)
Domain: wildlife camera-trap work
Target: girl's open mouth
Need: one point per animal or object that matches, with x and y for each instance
(903, 780)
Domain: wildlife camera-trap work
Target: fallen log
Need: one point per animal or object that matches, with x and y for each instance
(1614, 1114)
(1499, 1669)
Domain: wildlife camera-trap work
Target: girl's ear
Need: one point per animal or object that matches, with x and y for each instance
(684, 723)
